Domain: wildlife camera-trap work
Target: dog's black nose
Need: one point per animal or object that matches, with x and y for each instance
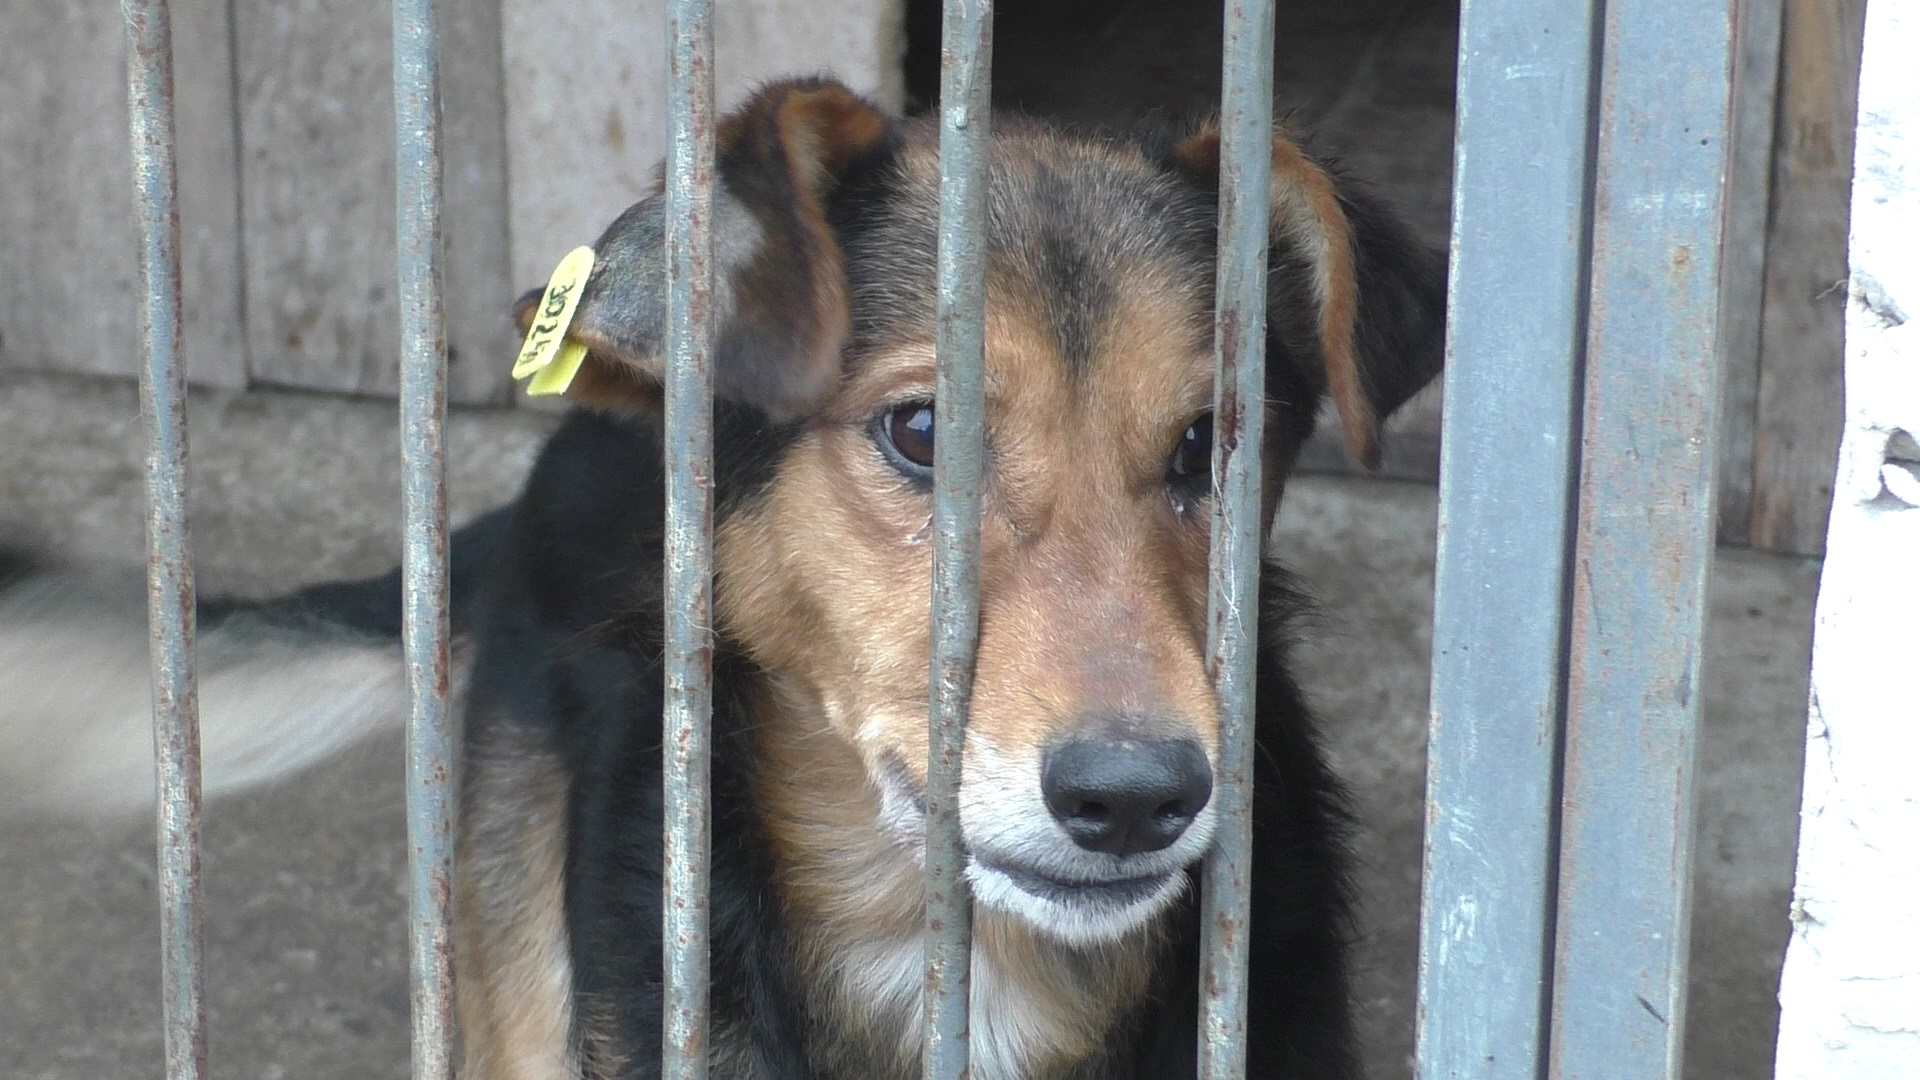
(1125, 797)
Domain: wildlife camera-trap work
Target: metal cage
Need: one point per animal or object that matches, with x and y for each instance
(1575, 530)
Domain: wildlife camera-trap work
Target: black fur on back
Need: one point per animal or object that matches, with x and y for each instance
(570, 648)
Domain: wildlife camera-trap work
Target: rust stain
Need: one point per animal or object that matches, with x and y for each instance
(1229, 931)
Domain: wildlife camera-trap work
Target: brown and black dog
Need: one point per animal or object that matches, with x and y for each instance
(1094, 732)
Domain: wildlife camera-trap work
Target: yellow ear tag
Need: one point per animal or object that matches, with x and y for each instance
(554, 379)
(548, 334)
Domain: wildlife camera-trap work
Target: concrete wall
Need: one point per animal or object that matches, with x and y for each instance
(1850, 992)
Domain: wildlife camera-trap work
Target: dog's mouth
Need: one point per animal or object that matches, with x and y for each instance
(1079, 905)
(1078, 911)
(1113, 893)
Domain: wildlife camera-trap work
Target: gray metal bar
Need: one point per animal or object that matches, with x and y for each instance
(1233, 596)
(170, 585)
(689, 540)
(1507, 464)
(1644, 540)
(966, 134)
(423, 413)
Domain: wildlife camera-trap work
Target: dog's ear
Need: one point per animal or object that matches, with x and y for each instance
(780, 303)
(1355, 305)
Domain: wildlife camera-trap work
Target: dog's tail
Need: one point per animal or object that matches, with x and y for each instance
(283, 683)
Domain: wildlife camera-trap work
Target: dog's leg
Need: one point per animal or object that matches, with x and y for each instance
(514, 975)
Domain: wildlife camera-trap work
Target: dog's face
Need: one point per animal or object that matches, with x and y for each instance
(1094, 728)
(1088, 769)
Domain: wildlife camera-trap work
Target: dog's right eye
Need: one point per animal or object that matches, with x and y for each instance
(905, 432)
(1193, 458)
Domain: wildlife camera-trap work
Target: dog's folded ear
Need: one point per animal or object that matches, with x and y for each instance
(1349, 290)
(779, 301)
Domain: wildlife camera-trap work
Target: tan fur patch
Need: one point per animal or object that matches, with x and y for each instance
(1305, 201)
(1093, 585)
(514, 978)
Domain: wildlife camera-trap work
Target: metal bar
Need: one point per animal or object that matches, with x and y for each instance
(966, 134)
(689, 539)
(1233, 596)
(423, 412)
(1644, 540)
(170, 585)
(1522, 173)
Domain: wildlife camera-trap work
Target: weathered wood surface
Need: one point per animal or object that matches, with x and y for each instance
(67, 279)
(586, 91)
(1743, 267)
(1798, 421)
(316, 121)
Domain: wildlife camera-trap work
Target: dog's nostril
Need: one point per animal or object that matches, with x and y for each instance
(1124, 798)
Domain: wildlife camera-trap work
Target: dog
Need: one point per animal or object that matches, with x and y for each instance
(1094, 732)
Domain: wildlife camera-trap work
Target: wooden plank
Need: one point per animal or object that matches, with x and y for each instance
(580, 150)
(481, 338)
(213, 335)
(1798, 420)
(316, 122)
(1744, 263)
(66, 268)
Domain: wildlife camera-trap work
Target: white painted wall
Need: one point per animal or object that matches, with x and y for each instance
(1850, 993)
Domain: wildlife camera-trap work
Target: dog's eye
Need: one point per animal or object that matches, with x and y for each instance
(907, 431)
(1194, 456)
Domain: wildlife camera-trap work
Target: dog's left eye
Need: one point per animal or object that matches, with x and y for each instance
(906, 433)
(1194, 456)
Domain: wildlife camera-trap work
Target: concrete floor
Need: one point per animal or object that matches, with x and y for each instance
(305, 909)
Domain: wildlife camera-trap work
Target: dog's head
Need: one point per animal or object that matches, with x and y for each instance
(1094, 726)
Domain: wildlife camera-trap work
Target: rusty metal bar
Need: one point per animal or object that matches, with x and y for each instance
(1644, 540)
(966, 62)
(1516, 333)
(1233, 597)
(170, 584)
(423, 412)
(689, 539)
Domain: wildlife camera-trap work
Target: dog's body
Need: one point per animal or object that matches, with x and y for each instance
(1094, 730)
